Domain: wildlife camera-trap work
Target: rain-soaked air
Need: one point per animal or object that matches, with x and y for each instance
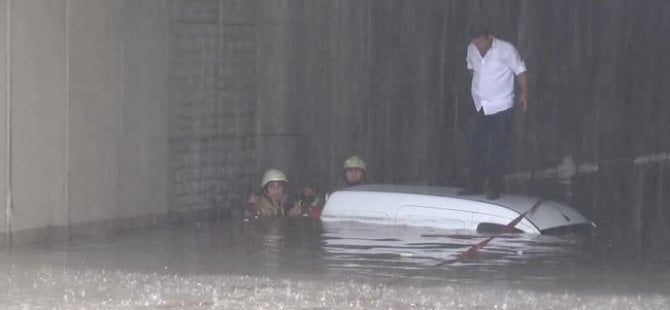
(349, 154)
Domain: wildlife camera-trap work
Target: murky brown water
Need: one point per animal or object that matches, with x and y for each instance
(309, 264)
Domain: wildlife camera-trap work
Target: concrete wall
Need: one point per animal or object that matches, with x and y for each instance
(88, 98)
(231, 99)
(212, 88)
(39, 108)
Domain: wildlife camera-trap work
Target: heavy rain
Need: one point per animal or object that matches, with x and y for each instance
(136, 132)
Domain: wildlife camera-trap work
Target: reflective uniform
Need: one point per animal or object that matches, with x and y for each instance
(311, 206)
(266, 208)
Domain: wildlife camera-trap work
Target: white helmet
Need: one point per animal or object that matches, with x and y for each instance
(354, 162)
(273, 175)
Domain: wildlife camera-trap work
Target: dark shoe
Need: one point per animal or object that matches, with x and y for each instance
(469, 191)
(493, 195)
(493, 188)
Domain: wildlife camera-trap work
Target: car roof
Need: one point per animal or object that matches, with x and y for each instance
(519, 203)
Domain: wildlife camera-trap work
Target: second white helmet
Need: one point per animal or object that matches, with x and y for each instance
(273, 175)
(354, 162)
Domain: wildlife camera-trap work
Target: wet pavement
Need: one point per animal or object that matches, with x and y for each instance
(302, 264)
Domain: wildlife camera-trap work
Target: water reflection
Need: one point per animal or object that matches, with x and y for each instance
(392, 251)
(298, 246)
(288, 246)
(300, 263)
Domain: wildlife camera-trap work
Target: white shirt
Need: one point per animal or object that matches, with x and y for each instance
(493, 76)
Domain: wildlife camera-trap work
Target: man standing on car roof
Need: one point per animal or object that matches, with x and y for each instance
(493, 64)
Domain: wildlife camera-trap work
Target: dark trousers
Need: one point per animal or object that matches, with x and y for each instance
(489, 149)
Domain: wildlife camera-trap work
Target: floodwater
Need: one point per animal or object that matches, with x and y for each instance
(305, 264)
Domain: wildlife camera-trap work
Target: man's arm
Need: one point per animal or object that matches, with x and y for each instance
(522, 80)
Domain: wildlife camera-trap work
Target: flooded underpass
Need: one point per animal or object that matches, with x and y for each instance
(307, 264)
(116, 112)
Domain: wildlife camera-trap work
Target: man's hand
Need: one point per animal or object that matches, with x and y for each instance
(522, 79)
(253, 199)
(250, 212)
(295, 211)
(523, 101)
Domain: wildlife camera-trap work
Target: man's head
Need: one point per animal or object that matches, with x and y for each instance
(274, 184)
(478, 29)
(354, 170)
(480, 37)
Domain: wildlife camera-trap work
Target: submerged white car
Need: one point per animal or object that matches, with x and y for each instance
(441, 207)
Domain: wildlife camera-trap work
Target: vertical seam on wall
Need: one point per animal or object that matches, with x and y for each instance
(217, 105)
(122, 88)
(67, 113)
(368, 115)
(256, 124)
(8, 123)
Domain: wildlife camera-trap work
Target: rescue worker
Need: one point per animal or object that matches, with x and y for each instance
(354, 174)
(354, 171)
(310, 203)
(273, 201)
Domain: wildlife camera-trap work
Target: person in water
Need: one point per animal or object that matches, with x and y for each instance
(354, 174)
(354, 171)
(273, 202)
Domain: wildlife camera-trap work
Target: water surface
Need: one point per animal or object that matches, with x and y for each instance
(308, 264)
